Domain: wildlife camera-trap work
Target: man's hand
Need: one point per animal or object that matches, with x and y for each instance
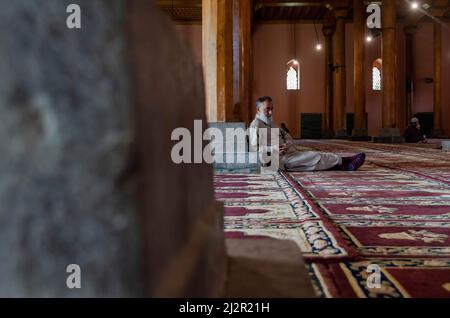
(283, 148)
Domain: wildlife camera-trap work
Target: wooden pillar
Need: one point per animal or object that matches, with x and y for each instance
(409, 71)
(389, 132)
(217, 29)
(339, 77)
(236, 62)
(193, 260)
(437, 112)
(328, 110)
(245, 65)
(359, 20)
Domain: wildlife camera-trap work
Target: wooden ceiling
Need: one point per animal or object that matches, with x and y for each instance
(269, 11)
(302, 11)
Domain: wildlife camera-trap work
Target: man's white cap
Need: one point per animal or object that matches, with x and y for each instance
(414, 120)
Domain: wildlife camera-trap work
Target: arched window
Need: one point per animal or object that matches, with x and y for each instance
(376, 79)
(376, 75)
(293, 75)
(292, 79)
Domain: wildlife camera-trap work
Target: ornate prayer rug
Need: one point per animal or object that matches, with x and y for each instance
(261, 206)
(398, 278)
(384, 212)
(392, 215)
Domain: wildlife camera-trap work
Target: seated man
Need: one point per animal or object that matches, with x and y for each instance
(413, 133)
(292, 159)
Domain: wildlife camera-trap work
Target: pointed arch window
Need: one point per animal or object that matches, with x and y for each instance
(376, 75)
(293, 75)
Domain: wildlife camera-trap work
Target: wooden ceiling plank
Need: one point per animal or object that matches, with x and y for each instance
(186, 10)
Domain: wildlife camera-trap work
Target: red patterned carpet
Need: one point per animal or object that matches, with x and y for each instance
(393, 213)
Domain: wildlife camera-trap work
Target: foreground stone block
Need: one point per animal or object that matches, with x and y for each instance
(266, 268)
(86, 175)
(66, 138)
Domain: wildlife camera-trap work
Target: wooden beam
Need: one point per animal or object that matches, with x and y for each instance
(280, 3)
(291, 4)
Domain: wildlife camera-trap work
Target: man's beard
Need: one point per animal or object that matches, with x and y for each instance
(264, 118)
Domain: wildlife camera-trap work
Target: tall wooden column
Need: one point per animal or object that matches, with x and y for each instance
(409, 31)
(339, 77)
(328, 30)
(359, 129)
(437, 112)
(389, 132)
(245, 66)
(217, 29)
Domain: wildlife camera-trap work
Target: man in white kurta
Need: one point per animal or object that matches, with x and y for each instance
(290, 157)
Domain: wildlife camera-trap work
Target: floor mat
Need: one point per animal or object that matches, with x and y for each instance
(392, 215)
(402, 278)
(261, 206)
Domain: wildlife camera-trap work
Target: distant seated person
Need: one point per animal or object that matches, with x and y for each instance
(413, 134)
(291, 158)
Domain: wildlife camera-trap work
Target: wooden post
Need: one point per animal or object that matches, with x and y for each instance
(409, 71)
(236, 62)
(389, 54)
(409, 29)
(328, 110)
(359, 131)
(339, 83)
(389, 66)
(389, 132)
(245, 66)
(217, 28)
(437, 114)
